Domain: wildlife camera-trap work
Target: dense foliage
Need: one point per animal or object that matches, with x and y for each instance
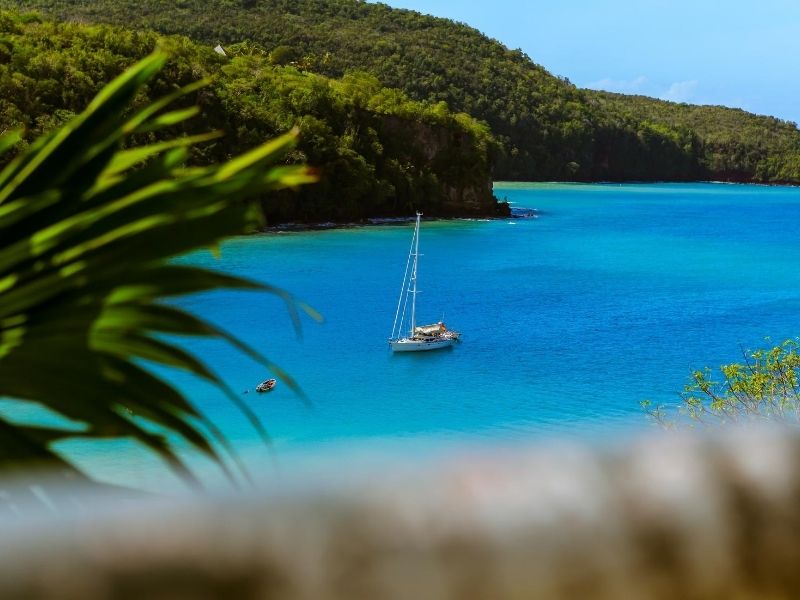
(731, 144)
(379, 152)
(89, 220)
(548, 128)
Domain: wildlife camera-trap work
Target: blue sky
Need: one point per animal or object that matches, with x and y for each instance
(734, 53)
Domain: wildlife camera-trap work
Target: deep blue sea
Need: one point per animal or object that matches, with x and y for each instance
(612, 295)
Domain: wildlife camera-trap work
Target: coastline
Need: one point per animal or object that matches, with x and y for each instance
(523, 213)
(515, 213)
(790, 184)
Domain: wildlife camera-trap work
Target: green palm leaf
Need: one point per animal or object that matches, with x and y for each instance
(87, 228)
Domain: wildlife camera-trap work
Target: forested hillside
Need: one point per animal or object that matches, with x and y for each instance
(736, 145)
(548, 129)
(380, 153)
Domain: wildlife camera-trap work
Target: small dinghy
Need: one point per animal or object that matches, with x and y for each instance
(266, 386)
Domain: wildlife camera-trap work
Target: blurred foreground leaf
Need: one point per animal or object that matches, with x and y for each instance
(87, 229)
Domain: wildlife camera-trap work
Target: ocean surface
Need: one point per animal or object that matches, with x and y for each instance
(610, 296)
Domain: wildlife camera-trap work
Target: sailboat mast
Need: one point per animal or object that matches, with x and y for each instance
(414, 278)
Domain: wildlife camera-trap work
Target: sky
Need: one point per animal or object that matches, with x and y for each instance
(734, 53)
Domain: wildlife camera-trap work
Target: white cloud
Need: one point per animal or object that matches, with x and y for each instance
(622, 86)
(680, 91)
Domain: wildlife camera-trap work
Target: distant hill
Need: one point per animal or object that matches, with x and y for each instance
(736, 145)
(548, 128)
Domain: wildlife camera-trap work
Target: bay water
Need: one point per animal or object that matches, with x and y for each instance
(611, 295)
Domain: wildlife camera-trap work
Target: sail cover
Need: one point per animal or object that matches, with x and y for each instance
(434, 329)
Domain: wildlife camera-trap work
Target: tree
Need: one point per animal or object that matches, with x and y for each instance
(764, 387)
(88, 223)
(282, 55)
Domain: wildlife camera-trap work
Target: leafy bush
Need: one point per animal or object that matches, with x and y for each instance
(764, 387)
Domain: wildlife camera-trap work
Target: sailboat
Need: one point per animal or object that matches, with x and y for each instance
(417, 338)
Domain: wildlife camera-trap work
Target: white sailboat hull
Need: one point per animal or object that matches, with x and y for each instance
(409, 345)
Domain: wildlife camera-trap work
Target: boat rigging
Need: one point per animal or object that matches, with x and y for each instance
(418, 337)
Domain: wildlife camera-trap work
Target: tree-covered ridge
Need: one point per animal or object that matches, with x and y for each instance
(735, 144)
(548, 129)
(380, 153)
(540, 119)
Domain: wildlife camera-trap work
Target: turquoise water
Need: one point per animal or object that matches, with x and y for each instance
(612, 295)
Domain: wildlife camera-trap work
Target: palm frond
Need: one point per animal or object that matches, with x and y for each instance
(87, 228)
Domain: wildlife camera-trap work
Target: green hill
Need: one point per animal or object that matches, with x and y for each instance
(380, 153)
(548, 128)
(430, 59)
(735, 145)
